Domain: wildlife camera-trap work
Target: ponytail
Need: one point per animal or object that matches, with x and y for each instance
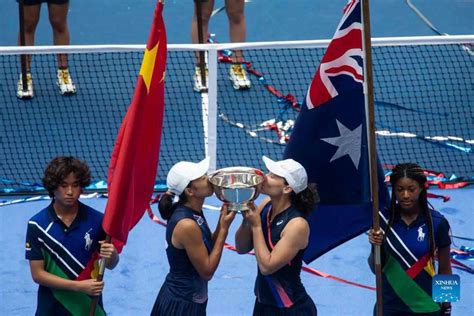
(166, 205)
(306, 199)
(426, 208)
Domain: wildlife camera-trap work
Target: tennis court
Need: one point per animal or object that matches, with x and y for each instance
(131, 288)
(128, 22)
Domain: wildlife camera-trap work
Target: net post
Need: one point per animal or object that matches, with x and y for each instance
(212, 109)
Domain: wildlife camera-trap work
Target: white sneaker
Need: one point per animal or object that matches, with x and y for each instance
(28, 93)
(239, 78)
(65, 84)
(198, 86)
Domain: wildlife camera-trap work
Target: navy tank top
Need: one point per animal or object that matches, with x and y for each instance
(283, 288)
(183, 280)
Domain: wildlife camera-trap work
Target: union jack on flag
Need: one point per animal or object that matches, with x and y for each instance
(343, 57)
(329, 139)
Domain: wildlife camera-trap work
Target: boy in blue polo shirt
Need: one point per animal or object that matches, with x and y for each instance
(64, 242)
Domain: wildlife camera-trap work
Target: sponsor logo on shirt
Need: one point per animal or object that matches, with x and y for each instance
(199, 219)
(421, 234)
(88, 240)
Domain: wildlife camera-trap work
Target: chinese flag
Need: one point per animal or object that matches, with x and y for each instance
(134, 161)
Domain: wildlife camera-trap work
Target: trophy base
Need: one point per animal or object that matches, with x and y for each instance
(238, 207)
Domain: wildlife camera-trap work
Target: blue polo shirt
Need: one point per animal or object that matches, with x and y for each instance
(64, 250)
(411, 245)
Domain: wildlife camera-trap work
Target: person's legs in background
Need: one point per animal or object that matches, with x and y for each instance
(31, 15)
(237, 25)
(58, 19)
(206, 11)
(237, 30)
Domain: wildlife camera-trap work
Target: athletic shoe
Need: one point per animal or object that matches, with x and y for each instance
(65, 84)
(28, 93)
(239, 78)
(198, 86)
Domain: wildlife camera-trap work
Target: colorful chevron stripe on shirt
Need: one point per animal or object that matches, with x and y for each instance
(402, 267)
(407, 289)
(77, 303)
(279, 294)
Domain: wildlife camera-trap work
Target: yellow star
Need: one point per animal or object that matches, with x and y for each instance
(148, 64)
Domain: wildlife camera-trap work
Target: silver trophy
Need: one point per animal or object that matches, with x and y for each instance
(237, 186)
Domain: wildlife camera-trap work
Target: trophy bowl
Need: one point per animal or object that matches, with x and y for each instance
(237, 186)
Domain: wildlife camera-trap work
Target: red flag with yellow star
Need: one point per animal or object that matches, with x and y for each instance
(134, 161)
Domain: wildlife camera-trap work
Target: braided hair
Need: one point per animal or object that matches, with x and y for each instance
(414, 172)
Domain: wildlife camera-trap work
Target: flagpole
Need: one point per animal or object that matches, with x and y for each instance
(100, 277)
(137, 143)
(369, 102)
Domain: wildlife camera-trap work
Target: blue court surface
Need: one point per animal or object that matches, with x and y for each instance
(128, 22)
(132, 287)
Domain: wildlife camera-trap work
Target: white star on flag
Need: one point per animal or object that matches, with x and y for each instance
(348, 143)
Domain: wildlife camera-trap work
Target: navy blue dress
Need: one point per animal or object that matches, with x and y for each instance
(184, 292)
(281, 293)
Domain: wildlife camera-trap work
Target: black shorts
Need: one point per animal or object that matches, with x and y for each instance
(36, 2)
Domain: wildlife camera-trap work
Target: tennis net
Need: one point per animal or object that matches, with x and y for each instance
(424, 105)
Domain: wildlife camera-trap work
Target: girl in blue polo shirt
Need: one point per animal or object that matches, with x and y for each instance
(412, 235)
(279, 233)
(193, 252)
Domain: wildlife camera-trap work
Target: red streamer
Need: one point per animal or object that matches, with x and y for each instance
(154, 218)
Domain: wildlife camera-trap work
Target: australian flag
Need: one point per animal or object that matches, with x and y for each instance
(330, 140)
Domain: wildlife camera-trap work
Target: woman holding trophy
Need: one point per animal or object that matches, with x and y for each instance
(278, 232)
(193, 252)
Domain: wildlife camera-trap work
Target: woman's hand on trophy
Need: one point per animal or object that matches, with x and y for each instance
(251, 216)
(226, 217)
